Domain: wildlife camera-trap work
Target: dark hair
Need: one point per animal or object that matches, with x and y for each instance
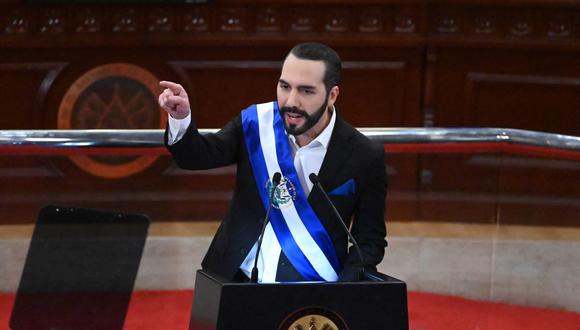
(315, 51)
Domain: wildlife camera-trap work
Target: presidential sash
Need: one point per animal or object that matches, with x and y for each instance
(300, 233)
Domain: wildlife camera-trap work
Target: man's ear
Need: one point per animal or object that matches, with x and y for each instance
(333, 95)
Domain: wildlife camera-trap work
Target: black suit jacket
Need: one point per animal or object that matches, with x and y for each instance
(350, 155)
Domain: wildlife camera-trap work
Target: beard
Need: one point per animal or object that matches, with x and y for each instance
(309, 119)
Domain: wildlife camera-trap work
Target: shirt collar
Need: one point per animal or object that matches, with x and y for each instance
(324, 137)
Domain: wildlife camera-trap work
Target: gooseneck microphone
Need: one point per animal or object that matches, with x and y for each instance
(314, 179)
(275, 181)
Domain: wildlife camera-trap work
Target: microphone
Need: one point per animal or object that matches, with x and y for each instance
(314, 179)
(275, 181)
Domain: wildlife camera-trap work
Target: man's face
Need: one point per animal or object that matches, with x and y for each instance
(302, 96)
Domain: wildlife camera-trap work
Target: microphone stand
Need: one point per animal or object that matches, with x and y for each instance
(314, 179)
(275, 181)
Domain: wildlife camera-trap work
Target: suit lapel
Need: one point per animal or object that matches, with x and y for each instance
(338, 153)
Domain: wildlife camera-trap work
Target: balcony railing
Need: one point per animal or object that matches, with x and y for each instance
(399, 140)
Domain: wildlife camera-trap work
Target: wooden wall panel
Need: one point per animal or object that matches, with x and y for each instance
(530, 189)
(379, 83)
(382, 103)
(539, 191)
(220, 90)
(534, 102)
(497, 88)
(407, 63)
(454, 188)
(23, 93)
(490, 65)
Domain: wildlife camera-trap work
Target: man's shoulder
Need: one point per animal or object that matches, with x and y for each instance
(360, 141)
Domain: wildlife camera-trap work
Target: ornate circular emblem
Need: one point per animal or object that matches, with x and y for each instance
(112, 96)
(285, 192)
(313, 318)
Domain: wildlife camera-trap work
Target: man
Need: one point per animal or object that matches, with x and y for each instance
(298, 135)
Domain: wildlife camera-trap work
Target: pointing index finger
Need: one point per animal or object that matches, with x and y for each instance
(175, 88)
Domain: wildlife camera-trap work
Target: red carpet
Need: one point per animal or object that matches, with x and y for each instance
(152, 310)
(438, 312)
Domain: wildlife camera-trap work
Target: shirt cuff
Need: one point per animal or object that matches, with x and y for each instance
(177, 128)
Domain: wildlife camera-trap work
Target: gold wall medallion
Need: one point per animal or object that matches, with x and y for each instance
(313, 318)
(112, 96)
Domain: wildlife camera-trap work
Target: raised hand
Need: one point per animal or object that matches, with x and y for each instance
(174, 100)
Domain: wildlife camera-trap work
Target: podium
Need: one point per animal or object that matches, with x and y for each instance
(379, 303)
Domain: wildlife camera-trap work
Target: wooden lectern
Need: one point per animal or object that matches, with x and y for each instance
(378, 303)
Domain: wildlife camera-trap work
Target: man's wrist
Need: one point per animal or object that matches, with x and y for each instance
(180, 118)
(178, 127)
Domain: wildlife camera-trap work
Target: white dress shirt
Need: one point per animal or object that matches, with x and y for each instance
(177, 128)
(307, 159)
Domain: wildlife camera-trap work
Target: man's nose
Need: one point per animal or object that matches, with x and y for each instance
(293, 99)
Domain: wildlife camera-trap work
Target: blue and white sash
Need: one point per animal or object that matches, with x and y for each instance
(300, 233)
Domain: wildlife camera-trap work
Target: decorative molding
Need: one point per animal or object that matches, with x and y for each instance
(178, 65)
(268, 19)
(17, 22)
(174, 170)
(89, 20)
(522, 79)
(405, 24)
(368, 65)
(429, 90)
(46, 84)
(232, 19)
(125, 21)
(447, 24)
(160, 21)
(337, 20)
(110, 96)
(302, 20)
(526, 23)
(371, 20)
(559, 26)
(53, 21)
(196, 20)
(484, 25)
(30, 172)
(494, 22)
(521, 26)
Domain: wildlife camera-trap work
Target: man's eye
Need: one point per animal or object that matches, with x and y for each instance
(308, 91)
(284, 86)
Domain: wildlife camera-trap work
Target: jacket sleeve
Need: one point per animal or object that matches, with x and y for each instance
(368, 227)
(195, 151)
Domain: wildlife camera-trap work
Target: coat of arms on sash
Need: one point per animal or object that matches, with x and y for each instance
(285, 193)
